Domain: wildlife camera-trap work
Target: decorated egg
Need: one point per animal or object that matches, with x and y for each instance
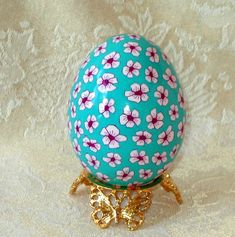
(126, 112)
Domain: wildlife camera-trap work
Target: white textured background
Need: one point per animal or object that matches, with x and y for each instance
(41, 46)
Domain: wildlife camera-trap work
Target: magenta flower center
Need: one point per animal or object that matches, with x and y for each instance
(110, 60)
(130, 118)
(140, 157)
(90, 144)
(142, 137)
(165, 137)
(131, 68)
(105, 82)
(112, 159)
(154, 120)
(139, 93)
(111, 137)
(151, 74)
(171, 78)
(182, 129)
(77, 128)
(182, 99)
(132, 47)
(106, 108)
(90, 123)
(84, 100)
(163, 96)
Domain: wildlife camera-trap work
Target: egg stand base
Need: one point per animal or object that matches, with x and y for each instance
(130, 205)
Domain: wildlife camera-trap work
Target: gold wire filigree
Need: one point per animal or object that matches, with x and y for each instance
(115, 205)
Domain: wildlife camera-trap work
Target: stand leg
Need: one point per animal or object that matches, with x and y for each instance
(169, 186)
(81, 179)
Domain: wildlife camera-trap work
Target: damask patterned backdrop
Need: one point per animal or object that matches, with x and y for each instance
(42, 44)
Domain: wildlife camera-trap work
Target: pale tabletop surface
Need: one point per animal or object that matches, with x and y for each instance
(42, 44)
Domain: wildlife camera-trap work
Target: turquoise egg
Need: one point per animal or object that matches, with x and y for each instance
(126, 112)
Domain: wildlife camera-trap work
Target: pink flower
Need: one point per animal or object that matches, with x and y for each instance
(166, 167)
(112, 138)
(174, 151)
(91, 123)
(138, 93)
(174, 112)
(151, 42)
(154, 119)
(181, 98)
(181, 129)
(102, 177)
(106, 107)
(125, 174)
(89, 73)
(152, 53)
(133, 36)
(92, 161)
(77, 128)
(118, 38)
(159, 158)
(171, 79)
(145, 174)
(75, 78)
(100, 49)
(85, 99)
(113, 159)
(76, 90)
(111, 60)
(69, 125)
(106, 82)
(76, 146)
(73, 110)
(133, 48)
(92, 144)
(162, 95)
(142, 137)
(129, 118)
(85, 62)
(131, 69)
(151, 74)
(134, 185)
(140, 157)
(166, 137)
(165, 57)
(84, 165)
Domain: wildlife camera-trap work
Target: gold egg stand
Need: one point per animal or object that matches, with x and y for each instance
(114, 204)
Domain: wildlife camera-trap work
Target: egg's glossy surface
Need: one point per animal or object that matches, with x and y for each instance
(126, 114)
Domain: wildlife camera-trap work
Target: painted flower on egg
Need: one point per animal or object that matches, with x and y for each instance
(126, 112)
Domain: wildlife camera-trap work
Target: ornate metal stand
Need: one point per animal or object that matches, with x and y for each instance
(116, 204)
